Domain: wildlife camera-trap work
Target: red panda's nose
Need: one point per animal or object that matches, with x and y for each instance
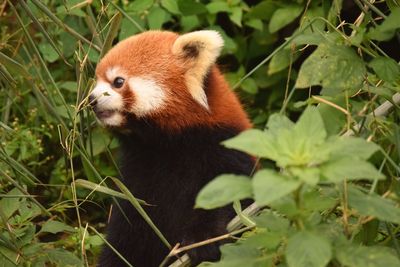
(92, 100)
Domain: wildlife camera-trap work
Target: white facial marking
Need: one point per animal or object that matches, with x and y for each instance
(149, 96)
(107, 98)
(114, 120)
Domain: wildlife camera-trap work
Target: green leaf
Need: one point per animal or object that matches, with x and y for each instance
(140, 6)
(8, 257)
(386, 68)
(189, 22)
(263, 10)
(190, 7)
(249, 86)
(223, 190)
(48, 52)
(157, 17)
(281, 61)
(309, 175)
(271, 221)
(310, 126)
(216, 7)
(277, 122)
(236, 16)
(254, 142)
(373, 205)
(263, 239)
(361, 256)
(334, 119)
(301, 145)
(351, 147)
(255, 23)
(171, 6)
(9, 205)
(127, 29)
(63, 257)
(56, 227)
(283, 16)
(349, 168)
(233, 255)
(269, 186)
(307, 249)
(319, 199)
(313, 38)
(387, 29)
(332, 66)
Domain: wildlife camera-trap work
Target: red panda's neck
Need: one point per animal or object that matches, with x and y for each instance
(224, 104)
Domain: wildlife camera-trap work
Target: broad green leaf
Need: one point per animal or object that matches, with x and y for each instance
(223, 190)
(263, 239)
(236, 16)
(56, 227)
(171, 6)
(281, 61)
(309, 15)
(310, 126)
(254, 142)
(334, 119)
(234, 255)
(283, 16)
(350, 168)
(351, 147)
(386, 68)
(9, 256)
(215, 7)
(361, 256)
(269, 186)
(190, 7)
(387, 29)
(307, 249)
(332, 66)
(309, 175)
(140, 6)
(63, 257)
(373, 205)
(27, 237)
(127, 29)
(9, 205)
(314, 38)
(255, 23)
(249, 86)
(189, 22)
(277, 122)
(263, 10)
(157, 17)
(301, 145)
(48, 52)
(272, 222)
(319, 199)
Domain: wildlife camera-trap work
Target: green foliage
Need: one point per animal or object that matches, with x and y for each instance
(309, 75)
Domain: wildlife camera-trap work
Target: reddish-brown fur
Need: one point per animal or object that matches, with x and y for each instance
(150, 55)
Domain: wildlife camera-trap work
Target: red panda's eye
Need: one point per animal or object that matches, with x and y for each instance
(118, 82)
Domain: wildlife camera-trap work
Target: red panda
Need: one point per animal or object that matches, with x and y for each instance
(170, 107)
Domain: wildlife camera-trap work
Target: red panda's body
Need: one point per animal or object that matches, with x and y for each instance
(170, 108)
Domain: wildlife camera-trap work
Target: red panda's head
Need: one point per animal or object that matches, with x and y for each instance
(168, 79)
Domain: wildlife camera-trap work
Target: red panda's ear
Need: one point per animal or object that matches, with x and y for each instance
(198, 50)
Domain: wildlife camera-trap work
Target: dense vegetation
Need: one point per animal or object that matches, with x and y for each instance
(318, 78)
